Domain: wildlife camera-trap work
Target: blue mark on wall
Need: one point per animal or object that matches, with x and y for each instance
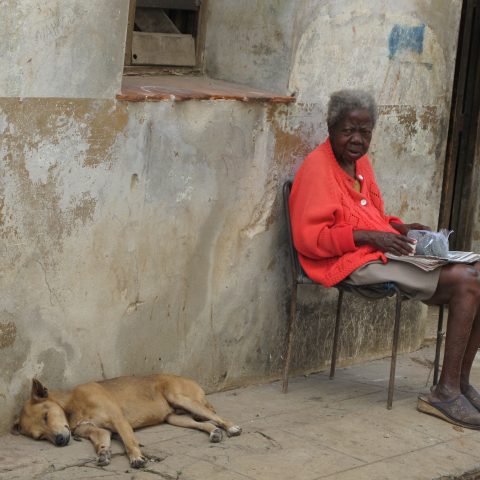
(403, 37)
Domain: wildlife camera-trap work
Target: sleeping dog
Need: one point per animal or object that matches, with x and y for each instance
(95, 410)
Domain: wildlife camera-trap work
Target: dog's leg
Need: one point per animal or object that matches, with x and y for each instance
(199, 410)
(100, 439)
(188, 422)
(125, 430)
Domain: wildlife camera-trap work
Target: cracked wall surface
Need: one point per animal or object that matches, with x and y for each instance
(62, 48)
(141, 237)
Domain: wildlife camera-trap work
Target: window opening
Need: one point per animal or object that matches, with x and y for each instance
(162, 32)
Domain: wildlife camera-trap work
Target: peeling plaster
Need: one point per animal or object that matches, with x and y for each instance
(361, 57)
(44, 155)
(8, 333)
(404, 37)
(51, 53)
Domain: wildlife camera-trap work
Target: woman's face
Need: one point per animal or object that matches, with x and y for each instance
(350, 137)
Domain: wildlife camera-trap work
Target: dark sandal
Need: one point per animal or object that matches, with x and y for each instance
(473, 396)
(458, 411)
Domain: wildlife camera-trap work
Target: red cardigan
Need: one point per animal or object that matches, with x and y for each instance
(325, 210)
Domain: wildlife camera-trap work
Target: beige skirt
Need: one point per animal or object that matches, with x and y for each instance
(414, 282)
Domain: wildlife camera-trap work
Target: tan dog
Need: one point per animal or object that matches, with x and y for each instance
(94, 410)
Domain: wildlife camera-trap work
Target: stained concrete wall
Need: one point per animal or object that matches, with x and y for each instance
(62, 48)
(142, 237)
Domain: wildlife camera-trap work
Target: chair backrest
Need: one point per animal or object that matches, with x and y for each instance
(298, 274)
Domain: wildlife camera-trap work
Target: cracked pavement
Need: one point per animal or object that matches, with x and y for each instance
(321, 429)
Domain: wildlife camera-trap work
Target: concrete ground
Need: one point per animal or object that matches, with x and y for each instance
(321, 429)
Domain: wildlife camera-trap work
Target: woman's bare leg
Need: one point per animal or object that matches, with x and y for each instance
(472, 347)
(459, 287)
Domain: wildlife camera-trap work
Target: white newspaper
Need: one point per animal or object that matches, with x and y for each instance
(431, 263)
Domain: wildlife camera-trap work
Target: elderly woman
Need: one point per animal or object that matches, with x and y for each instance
(342, 233)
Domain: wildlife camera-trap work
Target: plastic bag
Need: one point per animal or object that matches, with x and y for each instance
(433, 244)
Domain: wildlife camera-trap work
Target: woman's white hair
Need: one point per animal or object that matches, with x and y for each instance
(345, 101)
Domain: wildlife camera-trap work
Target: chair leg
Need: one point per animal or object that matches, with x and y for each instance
(338, 320)
(393, 363)
(438, 346)
(290, 334)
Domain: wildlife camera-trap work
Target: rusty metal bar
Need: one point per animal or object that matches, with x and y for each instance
(290, 335)
(338, 320)
(393, 362)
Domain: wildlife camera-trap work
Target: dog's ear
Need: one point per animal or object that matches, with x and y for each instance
(15, 430)
(39, 392)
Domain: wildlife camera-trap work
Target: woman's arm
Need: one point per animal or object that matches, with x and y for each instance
(404, 228)
(385, 241)
(316, 212)
(318, 228)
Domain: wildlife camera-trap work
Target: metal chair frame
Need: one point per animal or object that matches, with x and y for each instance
(387, 289)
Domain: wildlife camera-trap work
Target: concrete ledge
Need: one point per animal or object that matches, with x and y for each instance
(178, 88)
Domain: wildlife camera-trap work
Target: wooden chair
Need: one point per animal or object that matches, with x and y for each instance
(371, 292)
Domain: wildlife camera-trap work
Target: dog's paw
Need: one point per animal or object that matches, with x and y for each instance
(104, 458)
(216, 435)
(138, 462)
(234, 431)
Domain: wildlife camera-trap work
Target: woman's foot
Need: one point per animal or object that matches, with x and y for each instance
(457, 410)
(450, 405)
(472, 395)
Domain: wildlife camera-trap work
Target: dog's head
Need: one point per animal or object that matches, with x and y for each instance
(42, 418)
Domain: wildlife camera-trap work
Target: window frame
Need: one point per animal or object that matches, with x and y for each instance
(199, 39)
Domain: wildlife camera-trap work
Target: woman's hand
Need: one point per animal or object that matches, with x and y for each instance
(404, 228)
(385, 241)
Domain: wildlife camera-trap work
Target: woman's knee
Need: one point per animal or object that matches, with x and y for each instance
(463, 280)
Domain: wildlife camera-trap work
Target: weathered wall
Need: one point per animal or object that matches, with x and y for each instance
(62, 48)
(150, 236)
(251, 42)
(134, 242)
